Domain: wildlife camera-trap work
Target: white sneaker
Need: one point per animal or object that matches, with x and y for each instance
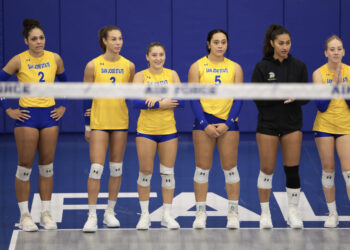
(232, 220)
(200, 221)
(91, 223)
(332, 220)
(265, 220)
(144, 222)
(294, 220)
(46, 221)
(109, 219)
(169, 222)
(27, 224)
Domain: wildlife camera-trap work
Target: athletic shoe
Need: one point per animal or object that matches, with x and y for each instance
(232, 220)
(169, 222)
(332, 220)
(200, 221)
(27, 224)
(294, 220)
(144, 222)
(91, 223)
(46, 221)
(109, 219)
(265, 220)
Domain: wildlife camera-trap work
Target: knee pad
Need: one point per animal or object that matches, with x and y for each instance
(46, 170)
(232, 175)
(264, 180)
(201, 175)
(167, 174)
(327, 179)
(144, 180)
(116, 169)
(346, 175)
(96, 171)
(292, 177)
(23, 173)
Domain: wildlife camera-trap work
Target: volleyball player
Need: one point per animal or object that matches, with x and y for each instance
(216, 124)
(279, 121)
(36, 124)
(109, 124)
(156, 131)
(332, 125)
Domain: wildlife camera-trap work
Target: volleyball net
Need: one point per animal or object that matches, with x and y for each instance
(247, 91)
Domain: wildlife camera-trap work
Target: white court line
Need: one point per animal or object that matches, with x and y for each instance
(13, 241)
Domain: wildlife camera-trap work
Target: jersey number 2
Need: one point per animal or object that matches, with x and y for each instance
(41, 74)
(112, 79)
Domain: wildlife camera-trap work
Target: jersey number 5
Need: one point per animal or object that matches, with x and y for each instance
(217, 80)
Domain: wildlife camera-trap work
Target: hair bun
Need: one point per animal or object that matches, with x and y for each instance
(28, 23)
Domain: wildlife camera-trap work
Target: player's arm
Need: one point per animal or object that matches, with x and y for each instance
(88, 78)
(322, 105)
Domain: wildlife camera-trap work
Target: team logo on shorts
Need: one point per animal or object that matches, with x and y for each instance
(272, 76)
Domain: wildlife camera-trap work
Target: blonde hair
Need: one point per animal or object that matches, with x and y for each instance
(334, 37)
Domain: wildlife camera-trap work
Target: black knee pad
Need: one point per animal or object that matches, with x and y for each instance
(292, 177)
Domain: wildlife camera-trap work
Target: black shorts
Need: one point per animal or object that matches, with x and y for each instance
(275, 132)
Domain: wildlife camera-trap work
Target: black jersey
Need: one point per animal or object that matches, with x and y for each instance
(274, 114)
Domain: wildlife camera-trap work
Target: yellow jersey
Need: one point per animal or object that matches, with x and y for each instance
(37, 70)
(157, 121)
(216, 74)
(110, 113)
(336, 119)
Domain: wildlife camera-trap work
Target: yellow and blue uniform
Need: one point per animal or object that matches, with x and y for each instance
(157, 122)
(336, 119)
(37, 70)
(110, 114)
(216, 110)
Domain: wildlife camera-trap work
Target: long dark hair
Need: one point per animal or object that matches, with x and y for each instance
(271, 33)
(28, 25)
(103, 33)
(212, 33)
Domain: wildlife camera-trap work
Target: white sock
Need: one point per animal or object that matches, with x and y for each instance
(23, 207)
(167, 208)
(332, 207)
(233, 205)
(144, 206)
(201, 206)
(293, 197)
(92, 209)
(45, 206)
(111, 205)
(265, 207)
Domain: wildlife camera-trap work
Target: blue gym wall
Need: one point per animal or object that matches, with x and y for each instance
(71, 28)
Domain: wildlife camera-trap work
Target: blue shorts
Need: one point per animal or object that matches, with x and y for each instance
(109, 130)
(39, 118)
(324, 134)
(158, 138)
(213, 120)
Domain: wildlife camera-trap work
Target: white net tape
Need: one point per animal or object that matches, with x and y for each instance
(76, 90)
